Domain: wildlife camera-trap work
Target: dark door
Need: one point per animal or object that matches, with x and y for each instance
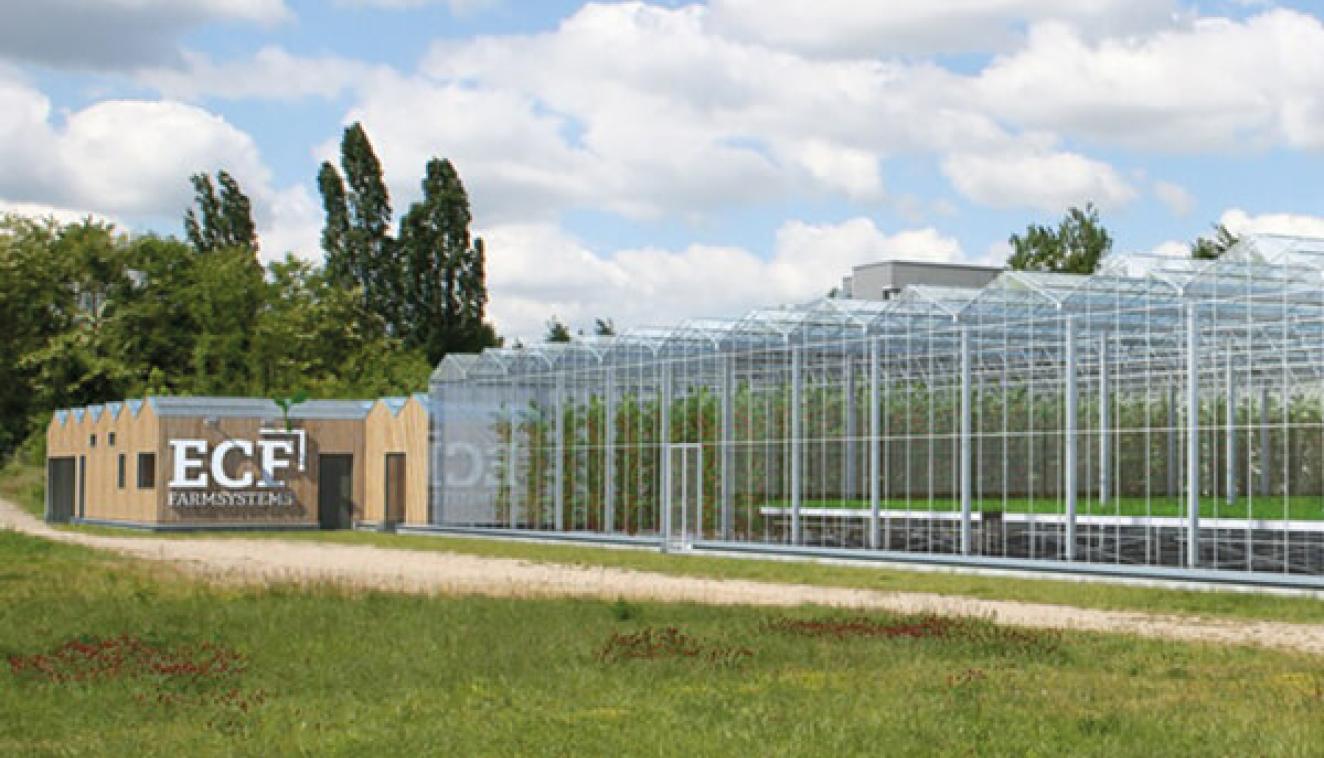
(82, 486)
(60, 475)
(395, 489)
(335, 507)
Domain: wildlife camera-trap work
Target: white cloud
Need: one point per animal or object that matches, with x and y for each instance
(289, 221)
(62, 215)
(1173, 249)
(271, 73)
(1176, 197)
(853, 28)
(130, 160)
(135, 157)
(1240, 222)
(537, 270)
(118, 34)
(663, 116)
(457, 7)
(1215, 84)
(646, 112)
(1046, 180)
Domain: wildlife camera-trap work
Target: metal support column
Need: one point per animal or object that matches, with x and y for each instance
(1069, 464)
(558, 426)
(512, 455)
(726, 451)
(1105, 429)
(967, 493)
(852, 431)
(1266, 455)
(609, 459)
(1173, 454)
(874, 444)
(1231, 412)
(797, 370)
(1192, 438)
(664, 449)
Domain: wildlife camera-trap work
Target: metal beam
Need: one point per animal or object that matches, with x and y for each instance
(797, 371)
(664, 446)
(1105, 430)
(874, 445)
(558, 495)
(513, 458)
(1266, 455)
(725, 452)
(1173, 459)
(609, 460)
(852, 430)
(1069, 465)
(967, 495)
(1231, 411)
(1192, 438)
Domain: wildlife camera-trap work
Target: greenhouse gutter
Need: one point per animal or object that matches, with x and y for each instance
(1075, 570)
(1060, 569)
(534, 535)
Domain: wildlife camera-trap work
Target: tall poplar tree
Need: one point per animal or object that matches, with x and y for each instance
(356, 236)
(445, 269)
(341, 267)
(220, 220)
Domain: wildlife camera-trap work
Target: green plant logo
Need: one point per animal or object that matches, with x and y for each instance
(286, 403)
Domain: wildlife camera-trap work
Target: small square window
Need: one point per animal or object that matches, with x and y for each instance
(91, 440)
(119, 477)
(146, 471)
(110, 439)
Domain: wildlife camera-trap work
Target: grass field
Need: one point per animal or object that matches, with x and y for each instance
(278, 670)
(1299, 507)
(24, 485)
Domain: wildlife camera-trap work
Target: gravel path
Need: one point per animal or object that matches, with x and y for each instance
(429, 572)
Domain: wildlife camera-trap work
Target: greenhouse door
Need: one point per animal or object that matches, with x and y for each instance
(684, 502)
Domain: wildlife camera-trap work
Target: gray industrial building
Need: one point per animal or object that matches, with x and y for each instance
(885, 279)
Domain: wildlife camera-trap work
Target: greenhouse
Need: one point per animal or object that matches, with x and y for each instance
(1162, 415)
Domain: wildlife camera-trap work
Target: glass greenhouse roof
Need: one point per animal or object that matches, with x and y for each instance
(1138, 300)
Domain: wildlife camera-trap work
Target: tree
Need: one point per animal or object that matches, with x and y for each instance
(1075, 247)
(356, 237)
(1210, 248)
(444, 269)
(604, 327)
(220, 220)
(340, 264)
(556, 331)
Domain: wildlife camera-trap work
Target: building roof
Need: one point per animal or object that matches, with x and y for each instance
(246, 407)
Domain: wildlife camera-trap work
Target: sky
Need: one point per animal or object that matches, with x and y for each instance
(651, 162)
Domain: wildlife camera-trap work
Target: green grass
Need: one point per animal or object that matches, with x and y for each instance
(24, 485)
(1212, 602)
(329, 671)
(1299, 507)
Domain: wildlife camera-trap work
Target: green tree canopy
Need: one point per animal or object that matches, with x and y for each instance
(220, 220)
(557, 331)
(356, 237)
(1209, 248)
(93, 315)
(1074, 247)
(445, 292)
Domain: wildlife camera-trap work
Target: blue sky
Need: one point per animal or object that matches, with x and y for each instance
(654, 161)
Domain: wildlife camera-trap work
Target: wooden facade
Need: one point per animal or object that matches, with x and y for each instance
(113, 464)
(397, 427)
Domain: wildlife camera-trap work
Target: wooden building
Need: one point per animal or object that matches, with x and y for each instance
(239, 463)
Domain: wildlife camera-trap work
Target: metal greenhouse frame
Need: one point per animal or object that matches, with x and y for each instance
(1161, 416)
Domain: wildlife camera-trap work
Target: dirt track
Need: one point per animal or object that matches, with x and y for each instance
(428, 572)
